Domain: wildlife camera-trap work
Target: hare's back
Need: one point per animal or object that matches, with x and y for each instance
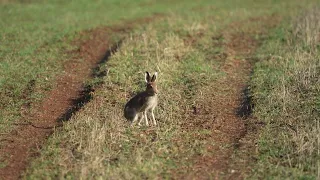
(137, 101)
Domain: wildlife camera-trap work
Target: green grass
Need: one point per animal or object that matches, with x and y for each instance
(98, 143)
(35, 36)
(286, 93)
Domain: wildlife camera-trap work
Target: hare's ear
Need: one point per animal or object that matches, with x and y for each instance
(154, 77)
(147, 77)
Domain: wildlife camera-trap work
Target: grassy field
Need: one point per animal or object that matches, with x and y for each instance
(98, 143)
(35, 36)
(286, 89)
(185, 48)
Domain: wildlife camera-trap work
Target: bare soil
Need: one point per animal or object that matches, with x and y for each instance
(67, 96)
(225, 110)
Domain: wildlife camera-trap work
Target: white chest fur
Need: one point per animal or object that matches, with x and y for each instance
(152, 102)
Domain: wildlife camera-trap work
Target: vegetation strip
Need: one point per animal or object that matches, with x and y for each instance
(68, 96)
(216, 112)
(286, 94)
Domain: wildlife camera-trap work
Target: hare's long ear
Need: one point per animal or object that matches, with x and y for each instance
(154, 77)
(147, 77)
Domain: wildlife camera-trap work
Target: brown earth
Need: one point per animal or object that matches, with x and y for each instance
(69, 94)
(224, 109)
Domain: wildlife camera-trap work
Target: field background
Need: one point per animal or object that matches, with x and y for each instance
(238, 80)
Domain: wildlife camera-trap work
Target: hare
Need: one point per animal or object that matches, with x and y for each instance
(143, 102)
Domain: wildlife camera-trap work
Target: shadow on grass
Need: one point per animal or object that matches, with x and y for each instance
(85, 94)
(246, 106)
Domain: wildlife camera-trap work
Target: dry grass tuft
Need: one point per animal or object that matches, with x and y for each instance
(307, 28)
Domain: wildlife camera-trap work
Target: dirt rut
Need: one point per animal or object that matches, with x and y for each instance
(225, 109)
(67, 96)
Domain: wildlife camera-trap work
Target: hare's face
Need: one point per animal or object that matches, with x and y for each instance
(152, 87)
(151, 82)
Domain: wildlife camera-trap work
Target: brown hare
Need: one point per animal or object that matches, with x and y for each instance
(144, 101)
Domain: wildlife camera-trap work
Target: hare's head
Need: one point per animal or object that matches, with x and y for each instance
(151, 83)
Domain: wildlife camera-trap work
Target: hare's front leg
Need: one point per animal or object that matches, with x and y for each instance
(154, 120)
(146, 118)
